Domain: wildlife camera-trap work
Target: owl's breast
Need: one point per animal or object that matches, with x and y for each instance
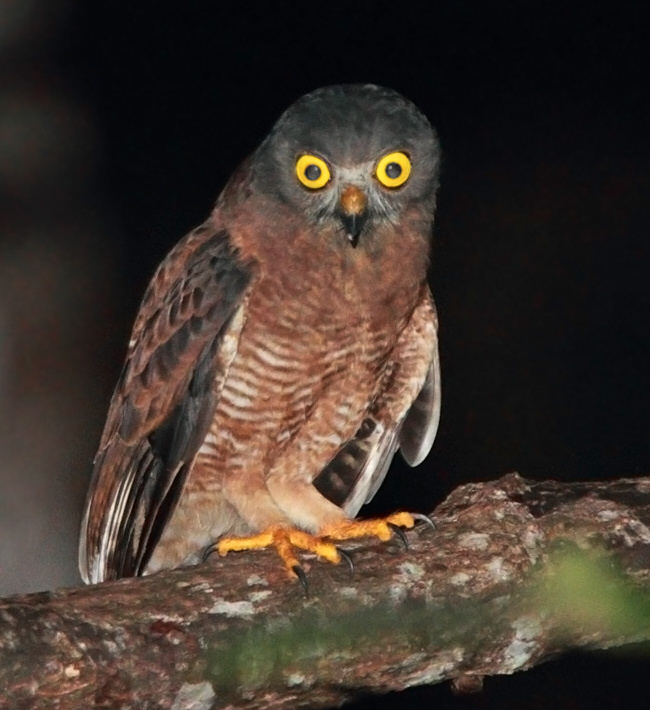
(303, 363)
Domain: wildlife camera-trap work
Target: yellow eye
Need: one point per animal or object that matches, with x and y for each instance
(393, 169)
(312, 171)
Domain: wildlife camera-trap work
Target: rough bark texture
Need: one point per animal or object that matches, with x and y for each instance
(516, 572)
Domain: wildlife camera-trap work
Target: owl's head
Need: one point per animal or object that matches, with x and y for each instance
(351, 157)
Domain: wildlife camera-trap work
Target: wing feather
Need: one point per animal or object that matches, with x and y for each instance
(420, 425)
(183, 341)
(353, 476)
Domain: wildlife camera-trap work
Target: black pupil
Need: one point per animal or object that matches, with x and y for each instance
(393, 170)
(312, 172)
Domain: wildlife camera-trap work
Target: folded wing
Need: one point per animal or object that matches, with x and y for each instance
(183, 342)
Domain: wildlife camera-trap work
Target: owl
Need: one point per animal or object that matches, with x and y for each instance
(284, 350)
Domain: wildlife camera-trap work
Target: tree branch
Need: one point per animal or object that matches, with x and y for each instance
(517, 571)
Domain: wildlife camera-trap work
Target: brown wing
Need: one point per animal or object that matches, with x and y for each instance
(355, 474)
(183, 341)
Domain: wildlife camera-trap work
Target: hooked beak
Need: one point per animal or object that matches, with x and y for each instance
(353, 212)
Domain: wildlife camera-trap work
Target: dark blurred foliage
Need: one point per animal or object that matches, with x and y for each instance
(57, 297)
(119, 124)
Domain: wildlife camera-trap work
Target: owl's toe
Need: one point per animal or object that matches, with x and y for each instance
(382, 528)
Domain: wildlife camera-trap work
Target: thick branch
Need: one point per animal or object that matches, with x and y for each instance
(503, 583)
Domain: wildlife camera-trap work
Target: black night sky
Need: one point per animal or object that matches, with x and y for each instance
(541, 244)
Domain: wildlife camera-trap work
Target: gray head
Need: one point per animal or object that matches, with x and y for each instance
(352, 157)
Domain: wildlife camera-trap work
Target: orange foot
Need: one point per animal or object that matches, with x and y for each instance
(284, 540)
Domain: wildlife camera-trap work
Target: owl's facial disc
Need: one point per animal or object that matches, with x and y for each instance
(353, 161)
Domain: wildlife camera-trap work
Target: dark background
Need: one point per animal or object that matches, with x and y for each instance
(540, 259)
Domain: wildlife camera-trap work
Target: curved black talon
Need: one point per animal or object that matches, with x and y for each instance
(302, 578)
(400, 534)
(425, 519)
(346, 556)
(209, 550)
